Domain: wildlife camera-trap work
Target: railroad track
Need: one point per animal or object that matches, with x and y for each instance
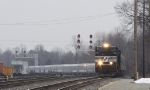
(21, 82)
(70, 85)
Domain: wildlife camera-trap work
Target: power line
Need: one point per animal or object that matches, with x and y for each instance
(39, 41)
(78, 19)
(35, 45)
(30, 41)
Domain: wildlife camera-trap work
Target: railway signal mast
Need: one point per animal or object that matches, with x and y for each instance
(90, 41)
(78, 41)
(79, 44)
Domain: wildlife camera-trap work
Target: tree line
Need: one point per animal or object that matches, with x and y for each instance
(125, 11)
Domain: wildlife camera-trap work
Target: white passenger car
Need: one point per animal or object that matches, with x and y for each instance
(65, 69)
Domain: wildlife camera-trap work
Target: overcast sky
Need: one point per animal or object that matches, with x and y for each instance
(53, 22)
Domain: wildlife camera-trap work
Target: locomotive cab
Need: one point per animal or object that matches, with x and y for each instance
(107, 60)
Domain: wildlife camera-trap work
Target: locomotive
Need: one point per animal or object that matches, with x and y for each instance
(108, 61)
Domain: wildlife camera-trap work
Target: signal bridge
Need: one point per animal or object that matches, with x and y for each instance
(21, 56)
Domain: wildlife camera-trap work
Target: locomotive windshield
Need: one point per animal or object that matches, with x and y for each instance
(102, 51)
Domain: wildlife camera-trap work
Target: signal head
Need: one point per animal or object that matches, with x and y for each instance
(90, 41)
(78, 41)
(90, 36)
(78, 47)
(78, 35)
(90, 47)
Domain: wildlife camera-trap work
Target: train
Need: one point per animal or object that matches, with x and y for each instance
(63, 69)
(60, 69)
(5, 70)
(21, 68)
(109, 61)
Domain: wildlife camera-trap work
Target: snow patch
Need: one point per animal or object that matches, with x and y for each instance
(143, 80)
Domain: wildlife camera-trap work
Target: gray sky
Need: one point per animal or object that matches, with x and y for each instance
(53, 20)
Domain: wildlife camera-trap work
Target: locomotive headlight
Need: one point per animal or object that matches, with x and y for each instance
(106, 45)
(110, 63)
(100, 63)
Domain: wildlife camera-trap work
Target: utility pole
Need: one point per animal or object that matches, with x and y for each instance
(143, 39)
(149, 8)
(135, 41)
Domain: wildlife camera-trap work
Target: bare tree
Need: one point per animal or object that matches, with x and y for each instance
(100, 38)
(125, 11)
(68, 58)
(75, 45)
(39, 48)
(57, 58)
(6, 57)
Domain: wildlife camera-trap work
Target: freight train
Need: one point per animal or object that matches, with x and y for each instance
(5, 70)
(108, 61)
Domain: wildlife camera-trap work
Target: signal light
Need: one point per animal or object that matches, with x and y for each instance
(90, 47)
(78, 47)
(78, 41)
(90, 41)
(78, 35)
(90, 36)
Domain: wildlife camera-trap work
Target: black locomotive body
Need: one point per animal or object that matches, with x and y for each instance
(108, 61)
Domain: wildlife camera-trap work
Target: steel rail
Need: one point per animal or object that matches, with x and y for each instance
(10, 84)
(81, 85)
(61, 85)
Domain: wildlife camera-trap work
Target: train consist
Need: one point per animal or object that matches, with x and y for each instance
(108, 61)
(61, 69)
